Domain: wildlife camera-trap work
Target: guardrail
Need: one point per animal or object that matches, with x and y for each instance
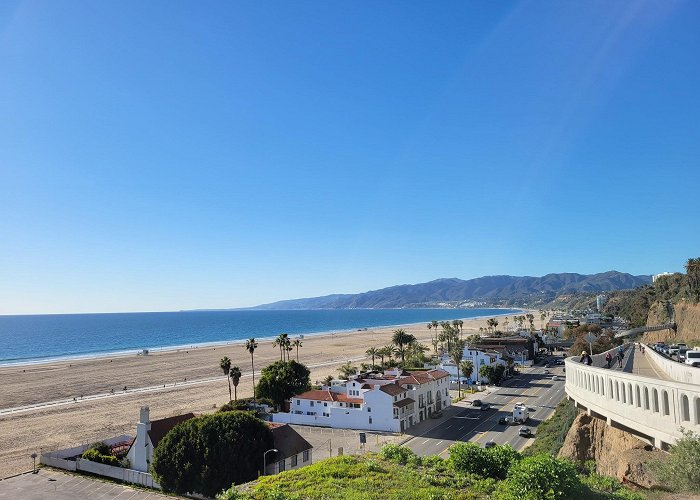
(652, 409)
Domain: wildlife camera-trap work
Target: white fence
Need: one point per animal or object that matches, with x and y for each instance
(677, 371)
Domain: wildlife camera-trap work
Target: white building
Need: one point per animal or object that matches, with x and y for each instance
(392, 401)
(479, 358)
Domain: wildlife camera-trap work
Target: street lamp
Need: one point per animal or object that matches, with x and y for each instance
(33, 455)
(265, 459)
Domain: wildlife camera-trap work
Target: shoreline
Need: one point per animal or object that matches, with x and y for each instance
(153, 351)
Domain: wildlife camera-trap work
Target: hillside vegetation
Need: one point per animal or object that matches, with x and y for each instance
(471, 472)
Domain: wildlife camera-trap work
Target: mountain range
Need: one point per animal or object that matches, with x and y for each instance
(454, 292)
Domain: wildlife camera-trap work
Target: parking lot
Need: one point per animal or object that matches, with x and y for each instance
(50, 484)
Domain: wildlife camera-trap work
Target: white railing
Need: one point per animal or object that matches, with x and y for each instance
(652, 408)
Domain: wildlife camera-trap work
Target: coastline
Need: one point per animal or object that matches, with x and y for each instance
(152, 351)
(170, 383)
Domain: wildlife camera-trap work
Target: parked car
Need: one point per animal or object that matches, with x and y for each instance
(555, 378)
(525, 432)
(436, 414)
(489, 444)
(546, 372)
(476, 402)
(485, 406)
(504, 421)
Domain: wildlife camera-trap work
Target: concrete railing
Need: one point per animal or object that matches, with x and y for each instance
(650, 408)
(677, 371)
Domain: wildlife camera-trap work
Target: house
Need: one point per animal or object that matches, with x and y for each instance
(148, 435)
(479, 357)
(390, 401)
(293, 451)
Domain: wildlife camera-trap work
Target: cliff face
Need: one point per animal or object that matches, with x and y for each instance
(615, 452)
(687, 317)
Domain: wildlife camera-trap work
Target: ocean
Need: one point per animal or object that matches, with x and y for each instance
(38, 338)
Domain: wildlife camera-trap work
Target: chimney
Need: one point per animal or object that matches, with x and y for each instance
(144, 417)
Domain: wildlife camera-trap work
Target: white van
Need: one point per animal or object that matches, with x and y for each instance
(692, 358)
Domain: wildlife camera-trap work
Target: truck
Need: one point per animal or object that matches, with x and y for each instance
(520, 413)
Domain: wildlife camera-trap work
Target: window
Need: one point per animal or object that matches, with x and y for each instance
(325, 404)
(369, 409)
(305, 456)
(395, 398)
(312, 403)
(298, 401)
(281, 465)
(294, 460)
(370, 420)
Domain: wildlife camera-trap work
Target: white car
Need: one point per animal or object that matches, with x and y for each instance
(692, 358)
(555, 378)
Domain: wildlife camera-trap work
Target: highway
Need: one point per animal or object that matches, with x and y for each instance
(468, 423)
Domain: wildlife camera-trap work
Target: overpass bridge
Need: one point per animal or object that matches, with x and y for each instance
(651, 396)
(643, 329)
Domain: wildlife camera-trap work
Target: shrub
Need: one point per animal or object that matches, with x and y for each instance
(540, 476)
(682, 469)
(398, 454)
(95, 456)
(470, 458)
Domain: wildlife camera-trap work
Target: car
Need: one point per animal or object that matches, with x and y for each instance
(546, 372)
(485, 406)
(436, 414)
(525, 432)
(555, 378)
(489, 444)
(504, 421)
(476, 402)
(692, 357)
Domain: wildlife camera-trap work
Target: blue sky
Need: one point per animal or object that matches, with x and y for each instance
(169, 155)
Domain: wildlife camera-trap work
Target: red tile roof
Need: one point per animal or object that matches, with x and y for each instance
(159, 428)
(392, 389)
(321, 395)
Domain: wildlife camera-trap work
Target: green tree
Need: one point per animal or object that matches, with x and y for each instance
(207, 454)
(225, 365)
(283, 379)
(487, 371)
(401, 339)
(250, 346)
(328, 380)
(235, 377)
(692, 270)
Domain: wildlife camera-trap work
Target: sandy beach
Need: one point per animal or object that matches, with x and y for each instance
(191, 378)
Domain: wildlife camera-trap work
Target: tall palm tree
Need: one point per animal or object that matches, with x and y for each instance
(225, 365)
(401, 339)
(456, 355)
(279, 343)
(372, 351)
(297, 343)
(430, 327)
(250, 346)
(235, 376)
(386, 351)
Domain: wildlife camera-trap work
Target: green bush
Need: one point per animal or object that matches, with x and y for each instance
(470, 458)
(681, 471)
(540, 476)
(398, 454)
(95, 456)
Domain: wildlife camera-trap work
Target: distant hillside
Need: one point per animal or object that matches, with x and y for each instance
(454, 292)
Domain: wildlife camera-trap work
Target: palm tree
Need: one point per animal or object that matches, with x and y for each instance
(297, 343)
(225, 365)
(346, 370)
(401, 339)
(250, 346)
(279, 343)
(372, 351)
(466, 367)
(328, 380)
(235, 376)
(385, 351)
(456, 355)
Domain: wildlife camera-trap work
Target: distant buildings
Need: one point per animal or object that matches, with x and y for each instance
(600, 302)
(391, 401)
(657, 276)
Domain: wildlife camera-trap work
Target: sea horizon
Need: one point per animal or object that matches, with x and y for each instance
(65, 337)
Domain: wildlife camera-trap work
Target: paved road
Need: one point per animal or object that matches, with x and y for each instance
(465, 423)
